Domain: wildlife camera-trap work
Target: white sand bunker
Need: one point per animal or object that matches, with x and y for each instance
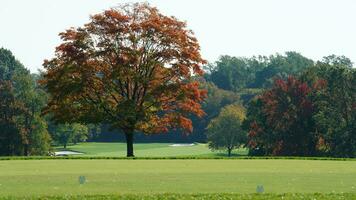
(182, 145)
(66, 153)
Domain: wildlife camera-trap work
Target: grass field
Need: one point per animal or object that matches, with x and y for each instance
(60, 177)
(219, 196)
(146, 149)
(174, 178)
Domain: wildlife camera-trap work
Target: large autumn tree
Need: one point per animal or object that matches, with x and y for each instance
(131, 68)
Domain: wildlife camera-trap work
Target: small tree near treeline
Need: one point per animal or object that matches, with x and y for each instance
(70, 133)
(131, 68)
(225, 131)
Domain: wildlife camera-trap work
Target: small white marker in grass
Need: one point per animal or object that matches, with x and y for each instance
(81, 180)
(260, 189)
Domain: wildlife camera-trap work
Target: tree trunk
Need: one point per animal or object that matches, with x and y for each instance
(26, 150)
(65, 145)
(129, 143)
(229, 152)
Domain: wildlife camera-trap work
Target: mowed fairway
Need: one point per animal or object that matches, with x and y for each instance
(60, 177)
(146, 149)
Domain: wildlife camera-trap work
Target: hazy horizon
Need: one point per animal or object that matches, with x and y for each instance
(237, 28)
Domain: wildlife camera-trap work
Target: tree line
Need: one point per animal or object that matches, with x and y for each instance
(310, 114)
(134, 71)
(305, 110)
(23, 128)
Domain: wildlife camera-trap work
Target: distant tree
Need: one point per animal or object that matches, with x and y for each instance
(335, 60)
(70, 133)
(62, 134)
(280, 121)
(131, 68)
(9, 66)
(215, 100)
(225, 131)
(12, 135)
(39, 139)
(233, 73)
(248, 76)
(230, 73)
(34, 99)
(94, 131)
(26, 92)
(280, 67)
(335, 105)
(81, 133)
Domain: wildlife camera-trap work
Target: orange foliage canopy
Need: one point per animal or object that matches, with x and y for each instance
(130, 67)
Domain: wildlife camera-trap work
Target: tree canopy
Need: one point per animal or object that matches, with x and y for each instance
(24, 131)
(225, 131)
(335, 104)
(280, 120)
(131, 68)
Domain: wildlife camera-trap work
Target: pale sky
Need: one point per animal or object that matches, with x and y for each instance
(315, 28)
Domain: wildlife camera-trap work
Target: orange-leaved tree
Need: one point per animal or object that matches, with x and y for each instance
(131, 68)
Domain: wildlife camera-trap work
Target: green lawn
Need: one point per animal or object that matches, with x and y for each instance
(219, 196)
(146, 149)
(60, 177)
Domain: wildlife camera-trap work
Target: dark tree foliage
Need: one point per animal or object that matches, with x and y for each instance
(313, 116)
(280, 121)
(20, 87)
(13, 136)
(216, 99)
(280, 66)
(235, 74)
(335, 104)
(64, 134)
(337, 61)
(231, 73)
(9, 66)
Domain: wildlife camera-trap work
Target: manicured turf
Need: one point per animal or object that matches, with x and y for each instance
(219, 196)
(146, 149)
(147, 177)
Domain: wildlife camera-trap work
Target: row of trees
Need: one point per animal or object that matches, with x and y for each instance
(237, 74)
(312, 114)
(308, 113)
(133, 69)
(237, 80)
(24, 130)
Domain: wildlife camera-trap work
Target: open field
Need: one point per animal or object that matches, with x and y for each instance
(146, 149)
(146, 177)
(219, 196)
